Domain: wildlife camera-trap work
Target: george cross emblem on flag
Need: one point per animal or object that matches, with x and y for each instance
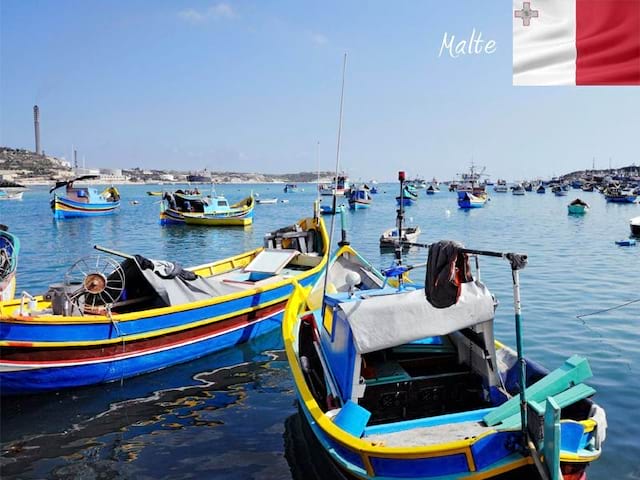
(526, 14)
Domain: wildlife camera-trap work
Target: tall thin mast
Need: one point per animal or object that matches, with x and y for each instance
(333, 206)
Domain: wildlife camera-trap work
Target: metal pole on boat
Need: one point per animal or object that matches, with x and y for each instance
(343, 227)
(518, 262)
(400, 218)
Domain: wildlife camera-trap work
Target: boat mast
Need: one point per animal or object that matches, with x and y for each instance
(334, 201)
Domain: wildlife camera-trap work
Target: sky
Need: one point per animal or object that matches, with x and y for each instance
(254, 86)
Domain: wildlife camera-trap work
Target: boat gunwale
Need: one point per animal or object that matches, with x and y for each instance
(161, 311)
(358, 445)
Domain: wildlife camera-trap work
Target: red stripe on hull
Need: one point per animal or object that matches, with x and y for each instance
(126, 348)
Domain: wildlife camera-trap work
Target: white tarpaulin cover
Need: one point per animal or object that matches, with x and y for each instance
(390, 320)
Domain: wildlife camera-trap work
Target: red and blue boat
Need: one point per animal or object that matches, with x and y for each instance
(113, 319)
(83, 201)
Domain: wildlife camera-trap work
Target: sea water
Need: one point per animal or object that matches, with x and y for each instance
(224, 415)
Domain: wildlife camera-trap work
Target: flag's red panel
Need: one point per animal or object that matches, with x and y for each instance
(608, 42)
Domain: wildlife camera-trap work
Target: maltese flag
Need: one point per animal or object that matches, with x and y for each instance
(576, 42)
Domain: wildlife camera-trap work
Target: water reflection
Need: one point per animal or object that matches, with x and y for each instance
(113, 430)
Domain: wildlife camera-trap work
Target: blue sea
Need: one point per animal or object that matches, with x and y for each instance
(224, 416)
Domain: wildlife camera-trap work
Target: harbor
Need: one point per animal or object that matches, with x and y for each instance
(100, 428)
(301, 242)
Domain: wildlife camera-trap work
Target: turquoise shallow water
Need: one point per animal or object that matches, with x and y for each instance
(223, 416)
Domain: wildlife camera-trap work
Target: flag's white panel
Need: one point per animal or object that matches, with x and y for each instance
(544, 42)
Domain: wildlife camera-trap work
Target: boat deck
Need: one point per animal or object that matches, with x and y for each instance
(429, 435)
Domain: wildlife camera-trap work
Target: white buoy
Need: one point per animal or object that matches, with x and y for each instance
(447, 213)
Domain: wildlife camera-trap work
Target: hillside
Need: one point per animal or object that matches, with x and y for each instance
(27, 165)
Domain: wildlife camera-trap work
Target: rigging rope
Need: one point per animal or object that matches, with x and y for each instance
(608, 309)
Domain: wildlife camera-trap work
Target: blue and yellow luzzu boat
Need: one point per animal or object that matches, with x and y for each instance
(181, 208)
(9, 250)
(468, 200)
(359, 198)
(111, 320)
(392, 386)
(83, 201)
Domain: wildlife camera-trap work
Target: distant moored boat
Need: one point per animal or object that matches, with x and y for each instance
(578, 207)
(83, 201)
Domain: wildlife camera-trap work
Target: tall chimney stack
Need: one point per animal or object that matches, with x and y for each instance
(36, 126)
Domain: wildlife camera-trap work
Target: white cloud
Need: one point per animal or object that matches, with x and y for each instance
(319, 39)
(220, 10)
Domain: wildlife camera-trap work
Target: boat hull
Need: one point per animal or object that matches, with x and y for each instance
(577, 209)
(65, 208)
(405, 201)
(622, 199)
(41, 351)
(10, 195)
(635, 229)
(359, 205)
(90, 353)
(467, 201)
(174, 217)
(488, 455)
(47, 375)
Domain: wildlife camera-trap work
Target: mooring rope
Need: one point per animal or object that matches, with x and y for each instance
(608, 309)
(599, 334)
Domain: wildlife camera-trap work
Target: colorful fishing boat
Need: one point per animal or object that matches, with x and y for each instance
(194, 208)
(9, 251)
(409, 383)
(408, 196)
(154, 194)
(578, 207)
(83, 201)
(359, 198)
(467, 200)
(111, 320)
(330, 210)
(618, 195)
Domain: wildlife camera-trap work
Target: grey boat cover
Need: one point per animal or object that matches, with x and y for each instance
(386, 321)
(176, 286)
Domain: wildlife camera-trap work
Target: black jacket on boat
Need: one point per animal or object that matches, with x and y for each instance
(447, 270)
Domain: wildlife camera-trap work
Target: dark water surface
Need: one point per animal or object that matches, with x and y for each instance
(224, 416)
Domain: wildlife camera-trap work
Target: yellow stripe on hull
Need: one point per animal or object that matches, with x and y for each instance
(221, 221)
(367, 450)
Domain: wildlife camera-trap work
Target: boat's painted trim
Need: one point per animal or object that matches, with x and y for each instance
(65, 208)
(366, 452)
